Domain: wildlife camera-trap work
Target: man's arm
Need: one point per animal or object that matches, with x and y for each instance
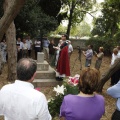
(114, 91)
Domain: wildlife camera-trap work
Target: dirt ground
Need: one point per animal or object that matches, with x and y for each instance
(75, 69)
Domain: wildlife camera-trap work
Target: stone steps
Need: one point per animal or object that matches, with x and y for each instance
(49, 74)
(46, 83)
(45, 74)
(42, 66)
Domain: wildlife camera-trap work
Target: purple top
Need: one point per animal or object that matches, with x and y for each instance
(82, 108)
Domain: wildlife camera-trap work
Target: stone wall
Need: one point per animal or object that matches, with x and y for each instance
(75, 42)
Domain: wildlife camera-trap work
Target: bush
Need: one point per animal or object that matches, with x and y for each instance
(107, 43)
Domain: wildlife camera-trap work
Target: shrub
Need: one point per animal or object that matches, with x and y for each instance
(107, 43)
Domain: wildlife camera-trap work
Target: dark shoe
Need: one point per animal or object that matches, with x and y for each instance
(57, 78)
(60, 78)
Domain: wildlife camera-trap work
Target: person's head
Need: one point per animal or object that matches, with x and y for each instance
(115, 51)
(118, 47)
(3, 40)
(101, 49)
(52, 41)
(24, 40)
(38, 39)
(26, 69)
(28, 37)
(90, 46)
(60, 41)
(89, 78)
(18, 39)
(64, 37)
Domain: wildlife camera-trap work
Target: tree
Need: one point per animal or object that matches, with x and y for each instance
(36, 21)
(107, 23)
(11, 46)
(80, 30)
(108, 74)
(8, 16)
(76, 9)
(51, 7)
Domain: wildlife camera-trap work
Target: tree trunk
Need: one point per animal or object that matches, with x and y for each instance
(7, 19)
(1, 63)
(12, 52)
(70, 20)
(11, 45)
(10, 14)
(108, 74)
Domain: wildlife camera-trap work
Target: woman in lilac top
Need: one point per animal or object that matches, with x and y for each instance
(86, 105)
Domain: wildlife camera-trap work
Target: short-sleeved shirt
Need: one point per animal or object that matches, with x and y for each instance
(70, 48)
(20, 101)
(46, 43)
(24, 46)
(29, 44)
(100, 55)
(37, 43)
(89, 54)
(114, 57)
(82, 108)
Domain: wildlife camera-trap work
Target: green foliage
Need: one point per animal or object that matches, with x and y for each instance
(60, 29)
(50, 7)
(105, 42)
(76, 10)
(80, 30)
(117, 37)
(54, 105)
(71, 89)
(32, 20)
(107, 23)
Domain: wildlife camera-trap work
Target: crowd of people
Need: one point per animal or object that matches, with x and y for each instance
(20, 101)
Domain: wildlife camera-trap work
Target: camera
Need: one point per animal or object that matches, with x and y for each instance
(79, 49)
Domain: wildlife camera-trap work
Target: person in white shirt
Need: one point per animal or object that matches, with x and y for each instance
(24, 49)
(19, 48)
(29, 43)
(118, 47)
(19, 100)
(115, 76)
(37, 47)
(70, 50)
(57, 51)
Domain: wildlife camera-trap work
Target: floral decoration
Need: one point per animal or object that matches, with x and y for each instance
(70, 86)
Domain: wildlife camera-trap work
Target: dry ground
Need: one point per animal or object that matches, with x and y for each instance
(109, 102)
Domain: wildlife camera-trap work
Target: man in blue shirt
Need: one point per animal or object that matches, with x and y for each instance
(88, 54)
(114, 91)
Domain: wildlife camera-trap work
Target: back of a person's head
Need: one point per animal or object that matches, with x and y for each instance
(26, 68)
(91, 46)
(89, 78)
(101, 48)
(118, 47)
(115, 51)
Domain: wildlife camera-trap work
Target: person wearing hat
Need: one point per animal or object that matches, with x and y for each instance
(63, 64)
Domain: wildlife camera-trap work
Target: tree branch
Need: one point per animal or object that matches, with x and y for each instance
(10, 15)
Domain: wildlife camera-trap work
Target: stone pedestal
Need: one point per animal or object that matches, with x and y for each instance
(45, 75)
